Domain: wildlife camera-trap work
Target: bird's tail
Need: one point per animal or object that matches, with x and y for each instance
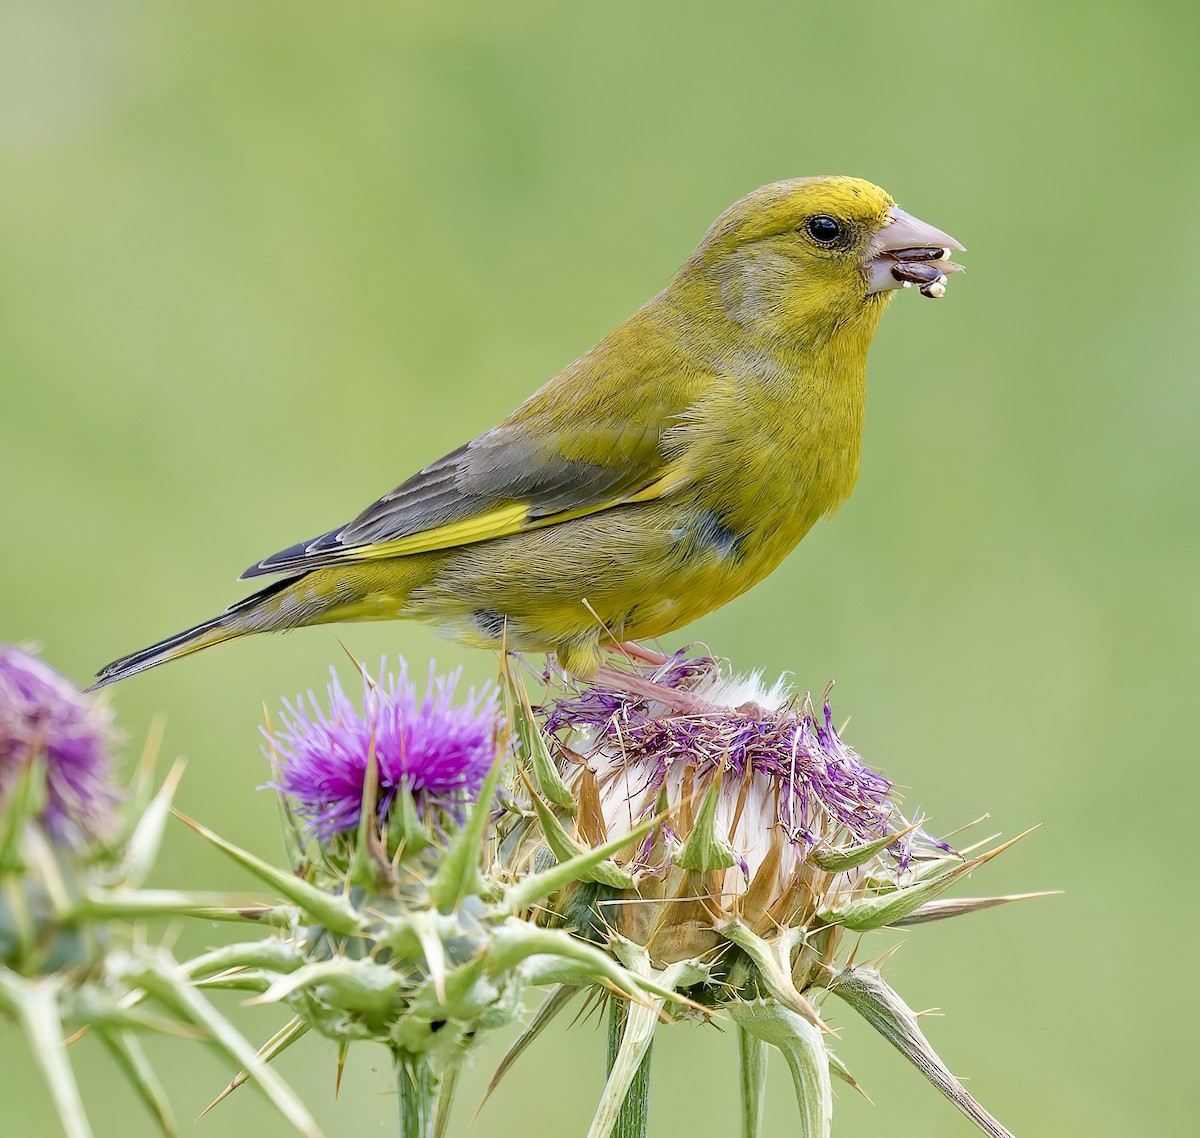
(242, 618)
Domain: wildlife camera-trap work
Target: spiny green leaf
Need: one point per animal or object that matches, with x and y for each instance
(803, 1046)
(127, 1049)
(162, 980)
(356, 985)
(839, 1070)
(406, 831)
(131, 904)
(294, 1029)
(549, 1008)
(870, 995)
(532, 743)
(959, 906)
(868, 913)
(35, 1003)
(238, 980)
(535, 886)
(772, 961)
(331, 912)
(517, 940)
(276, 955)
(458, 873)
(370, 868)
(425, 927)
(564, 847)
(141, 851)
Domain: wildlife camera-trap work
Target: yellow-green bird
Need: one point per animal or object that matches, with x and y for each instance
(657, 477)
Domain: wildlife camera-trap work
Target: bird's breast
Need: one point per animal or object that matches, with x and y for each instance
(771, 478)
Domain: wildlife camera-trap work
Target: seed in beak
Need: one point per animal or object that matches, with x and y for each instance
(930, 278)
(920, 253)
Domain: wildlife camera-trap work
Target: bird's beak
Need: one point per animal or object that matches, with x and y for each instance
(906, 251)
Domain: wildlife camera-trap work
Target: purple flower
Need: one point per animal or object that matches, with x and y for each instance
(438, 752)
(44, 719)
(774, 751)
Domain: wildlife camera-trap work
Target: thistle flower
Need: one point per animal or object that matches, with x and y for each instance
(44, 720)
(766, 839)
(431, 749)
(390, 934)
(761, 787)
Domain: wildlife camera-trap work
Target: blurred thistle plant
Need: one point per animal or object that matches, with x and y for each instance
(397, 929)
(765, 846)
(51, 732)
(74, 851)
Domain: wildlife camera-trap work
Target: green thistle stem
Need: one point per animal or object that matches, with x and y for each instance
(753, 1053)
(416, 1087)
(634, 1118)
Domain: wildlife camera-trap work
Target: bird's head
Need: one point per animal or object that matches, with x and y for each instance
(798, 256)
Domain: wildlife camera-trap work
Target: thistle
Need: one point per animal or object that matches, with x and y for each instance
(445, 858)
(395, 928)
(50, 731)
(765, 847)
(74, 851)
(428, 751)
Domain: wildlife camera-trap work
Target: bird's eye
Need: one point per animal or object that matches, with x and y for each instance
(823, 228)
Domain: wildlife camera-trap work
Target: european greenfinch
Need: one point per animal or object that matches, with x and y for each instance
(657, 477)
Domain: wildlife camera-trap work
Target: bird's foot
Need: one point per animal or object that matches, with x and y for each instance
(682, 702)
(638, 654)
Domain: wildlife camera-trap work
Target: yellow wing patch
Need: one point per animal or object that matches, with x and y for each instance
(495, 523)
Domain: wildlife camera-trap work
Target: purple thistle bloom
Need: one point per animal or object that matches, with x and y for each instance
(819, 785)
(438, 752)
(44, 718)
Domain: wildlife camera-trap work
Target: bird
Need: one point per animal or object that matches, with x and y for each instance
(660, 475)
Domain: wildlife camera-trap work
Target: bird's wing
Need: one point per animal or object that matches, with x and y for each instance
(523, 475)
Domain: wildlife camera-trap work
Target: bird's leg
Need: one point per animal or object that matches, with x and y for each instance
(683, 702)
(636, 653)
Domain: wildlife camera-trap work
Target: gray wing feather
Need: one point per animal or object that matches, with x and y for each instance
(506, 465)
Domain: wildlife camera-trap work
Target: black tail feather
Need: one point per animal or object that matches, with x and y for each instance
(229, 624)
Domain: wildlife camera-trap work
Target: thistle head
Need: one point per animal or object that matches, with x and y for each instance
(761, 793)
(744, 838)
(416, 763)
(57, 817)
(53, 734)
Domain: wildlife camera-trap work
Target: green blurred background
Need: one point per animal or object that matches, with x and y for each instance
(260, 262)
